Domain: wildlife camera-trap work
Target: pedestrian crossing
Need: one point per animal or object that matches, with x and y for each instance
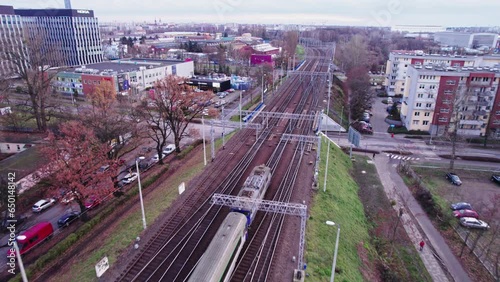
(403, 158)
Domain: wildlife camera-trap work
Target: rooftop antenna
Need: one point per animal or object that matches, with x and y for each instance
(67, 4)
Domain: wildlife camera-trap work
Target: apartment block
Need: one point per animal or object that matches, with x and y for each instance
(436, 99)
(399, 61)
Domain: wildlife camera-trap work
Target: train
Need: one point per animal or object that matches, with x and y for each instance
(218, 261)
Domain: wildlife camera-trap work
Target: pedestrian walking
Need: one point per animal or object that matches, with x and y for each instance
(422, 244)
(373, 156)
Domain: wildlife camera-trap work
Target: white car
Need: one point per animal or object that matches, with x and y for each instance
(156, 158)
(471, 222)
(169, 149)
(129, 178)
(43, 204)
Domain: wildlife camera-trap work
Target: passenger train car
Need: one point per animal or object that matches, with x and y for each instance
(218, 261)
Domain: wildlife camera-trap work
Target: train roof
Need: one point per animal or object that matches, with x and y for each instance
(223, 244)
(258, 177)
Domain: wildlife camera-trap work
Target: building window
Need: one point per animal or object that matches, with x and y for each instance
(420, 95)
(427, 114)
(428, 105)
(425, 122)
(446, 102)
(415, 122)
(448, 92)
(444, 111)
(402, 89)
(443, 119)
(418, 105)
(432, 87)
(450, 82)
(421, 86)
(416, 114)
(430, 96)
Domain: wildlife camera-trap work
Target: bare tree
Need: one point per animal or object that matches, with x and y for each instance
(353, 54)
(154, 115)
(181, 104)
(33, 67)
(109, 124)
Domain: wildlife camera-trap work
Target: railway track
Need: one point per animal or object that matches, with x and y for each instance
(173, 253)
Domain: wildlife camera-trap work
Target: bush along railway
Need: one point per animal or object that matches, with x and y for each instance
(177, 251)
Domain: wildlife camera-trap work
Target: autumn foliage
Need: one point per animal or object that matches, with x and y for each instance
(74, 157)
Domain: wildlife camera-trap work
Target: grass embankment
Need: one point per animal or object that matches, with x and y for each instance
(397, 258)
(340, 203)
(366, 251)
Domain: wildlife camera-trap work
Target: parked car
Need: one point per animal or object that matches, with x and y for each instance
(92, 202)
(461, 206)
(129, 178)
(465, 213)
(156, 158)
(362, 127)
(43, 205)
(453, 178)
(495, 178)
(169, 149)
(32, 237)
(471, 222)
(68, 218)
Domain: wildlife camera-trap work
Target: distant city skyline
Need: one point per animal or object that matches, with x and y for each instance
(318, 12)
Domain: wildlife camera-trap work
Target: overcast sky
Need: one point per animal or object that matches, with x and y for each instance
(328, 12)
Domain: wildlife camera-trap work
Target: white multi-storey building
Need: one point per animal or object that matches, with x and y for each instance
(74, 33)
(399, 61)
(437, 98)
(11, 40)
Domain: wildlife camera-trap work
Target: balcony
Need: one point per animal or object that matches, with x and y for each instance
(485, 94)
(480, 83)
(477, 103)
(471, 122)
(479, 112)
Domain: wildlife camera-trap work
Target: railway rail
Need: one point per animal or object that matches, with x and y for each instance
(175, 249)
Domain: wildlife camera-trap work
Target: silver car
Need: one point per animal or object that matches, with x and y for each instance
(43, 204)
(471, 222)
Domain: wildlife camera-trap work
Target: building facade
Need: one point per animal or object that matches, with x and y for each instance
(466, 39)
(400, 61)
(436, 100)
(11, 40)
(73, 34)
(131, 75)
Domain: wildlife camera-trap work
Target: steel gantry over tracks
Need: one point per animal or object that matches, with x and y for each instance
(268, 206)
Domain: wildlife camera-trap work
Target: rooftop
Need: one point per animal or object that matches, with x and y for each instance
(457, 71)
(121, 66)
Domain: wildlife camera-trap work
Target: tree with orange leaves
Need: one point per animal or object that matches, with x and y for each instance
(74, 157)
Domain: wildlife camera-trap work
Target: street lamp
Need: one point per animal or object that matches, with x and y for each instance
(331, 223)
(140, 190)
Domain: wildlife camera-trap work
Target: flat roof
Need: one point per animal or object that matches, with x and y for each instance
(456, 71)
(121, 66)
(414, 54)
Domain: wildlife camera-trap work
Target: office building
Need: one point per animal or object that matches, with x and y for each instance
(73, 34)
(11, 40)
(126, 76)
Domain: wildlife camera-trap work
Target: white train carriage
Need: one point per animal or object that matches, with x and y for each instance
(255, 187)
(218, 261)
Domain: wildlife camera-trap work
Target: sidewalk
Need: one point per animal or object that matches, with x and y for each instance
(436, 250)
